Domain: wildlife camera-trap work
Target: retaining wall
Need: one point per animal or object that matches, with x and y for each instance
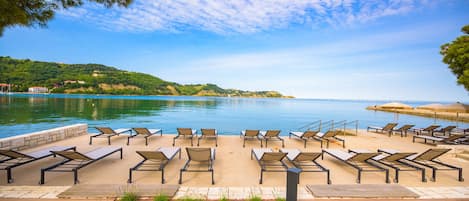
(31, 140)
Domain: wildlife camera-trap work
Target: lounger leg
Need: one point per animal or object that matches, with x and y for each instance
(213, 181)
(91, 140)
(75, 176)
(359, 177)
(244, 141)
(109, 140)
(283, 144)
(146, 140)
(43, 176)
(130, 176)
(198, 141)
(180, 176)
(387, 176)
(260, 181)
(9, 177)
(460, 178)
(433, 174)
(174, 140)
(162, 176)
(216, 141)
(192, 143)
(327, 143)
(423, 175)
(128, 139)
(121, 154)
(328, 177)
(397, 176)
(305, 143)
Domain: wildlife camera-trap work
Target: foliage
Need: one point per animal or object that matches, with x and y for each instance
(39, 12)
(161, 197)
(100, 79)
(129, 196)
(191, 199)
(280, 199)
(255, 198)
(223, 198)
(456, 55)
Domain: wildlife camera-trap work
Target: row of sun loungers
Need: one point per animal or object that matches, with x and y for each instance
(106, 132)
(318, 136)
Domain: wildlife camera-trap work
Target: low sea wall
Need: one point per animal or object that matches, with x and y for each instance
(452, 116)
(31, 140)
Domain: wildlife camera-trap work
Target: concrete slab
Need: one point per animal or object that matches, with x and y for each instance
(361, 191)
(109, 191)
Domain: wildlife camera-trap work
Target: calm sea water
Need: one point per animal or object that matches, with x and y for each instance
(24, 113)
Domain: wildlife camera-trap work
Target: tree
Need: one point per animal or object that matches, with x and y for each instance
(456, 55)
(31, 13)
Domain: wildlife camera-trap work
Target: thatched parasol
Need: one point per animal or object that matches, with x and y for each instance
(394, 105)
(455, 107)
(433, 107)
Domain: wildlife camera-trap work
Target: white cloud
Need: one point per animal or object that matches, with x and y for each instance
(236, 16)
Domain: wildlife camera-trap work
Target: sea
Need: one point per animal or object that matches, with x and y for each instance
(26, 113)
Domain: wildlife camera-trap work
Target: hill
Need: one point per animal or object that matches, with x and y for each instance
(101, 79)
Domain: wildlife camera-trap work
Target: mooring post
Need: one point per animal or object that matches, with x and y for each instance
(293, 178)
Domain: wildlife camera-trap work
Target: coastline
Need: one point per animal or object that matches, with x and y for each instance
(452, 116)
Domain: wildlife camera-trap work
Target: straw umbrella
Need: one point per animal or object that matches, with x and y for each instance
(394, 105)
(433, 107)
(455, 107)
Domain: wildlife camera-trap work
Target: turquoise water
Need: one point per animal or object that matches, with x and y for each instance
(24, 113)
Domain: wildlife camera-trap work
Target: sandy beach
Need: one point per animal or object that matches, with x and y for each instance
(233, 166)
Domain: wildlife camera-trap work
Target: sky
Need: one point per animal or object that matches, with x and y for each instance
(329, 49)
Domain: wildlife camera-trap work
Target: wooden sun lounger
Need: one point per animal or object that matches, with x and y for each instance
(155, 160)
(250, 134)
(306, 161)
(106, 132)
(271, 135)
(269, 161)
(328, 136)
(403, 130)
(394, 161)
(145, 132)
(11, 159)
(199, 156)
(447, 129)
(388, 128)
(359, 161)
(75, 160)
(429, 159)
(430, 129)
(454, 139)
(305, 136)
(185, 133)
(208, 133)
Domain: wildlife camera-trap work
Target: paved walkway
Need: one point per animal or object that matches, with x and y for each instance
(232, 193)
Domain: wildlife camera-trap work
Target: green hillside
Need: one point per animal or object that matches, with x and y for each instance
(100, 79)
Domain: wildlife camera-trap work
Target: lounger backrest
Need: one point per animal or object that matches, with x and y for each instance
(272, 133)
(389, 126)
(406, 127)
(397, 156)
(273, 156)
(208, 131)
(142, 131)
(362, 157)
(448, 128)
(310, 133)
(431, 128)
(184, 131)
(431, 154)
(199, 154)
(105, 130)
(453, 138)
(13, 154)
(307, 156)
(251, 132)
(152, 155)
(330, 133)
(72, 155)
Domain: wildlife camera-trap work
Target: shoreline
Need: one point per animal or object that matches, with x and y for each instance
(452, 116)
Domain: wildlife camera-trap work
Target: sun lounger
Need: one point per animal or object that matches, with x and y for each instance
(185, 133)
(75, 160)
(429, 159)
(305, 136)
(271, 135)
(388, 128)
(394, 161)
(208, 133)
(359, 161)
(429, 130)
(10, 159)
(269, 161)
(106, 132)
(403, 130)
(250, 134)
(447, 129)
(145, 132)
(155, 160)
(454, 139)
(306, 161)
(328, 136)
(199, 157)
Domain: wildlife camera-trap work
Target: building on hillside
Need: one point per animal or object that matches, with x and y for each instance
(38, 90)
(5, 88)
(74, 82)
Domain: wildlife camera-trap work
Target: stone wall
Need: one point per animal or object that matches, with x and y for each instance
(30, 140)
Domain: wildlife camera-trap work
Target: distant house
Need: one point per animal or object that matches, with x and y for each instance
(38, 90)
(4, 87)
(74, 82)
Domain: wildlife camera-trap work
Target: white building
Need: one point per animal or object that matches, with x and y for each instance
(38, 90)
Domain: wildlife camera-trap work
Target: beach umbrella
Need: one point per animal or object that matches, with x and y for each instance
(394, 105)
(433, 107)
(455, 107)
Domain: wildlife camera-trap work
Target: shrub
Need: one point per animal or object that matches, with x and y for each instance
(129, 196)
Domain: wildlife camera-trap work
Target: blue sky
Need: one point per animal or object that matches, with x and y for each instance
(379, 50)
